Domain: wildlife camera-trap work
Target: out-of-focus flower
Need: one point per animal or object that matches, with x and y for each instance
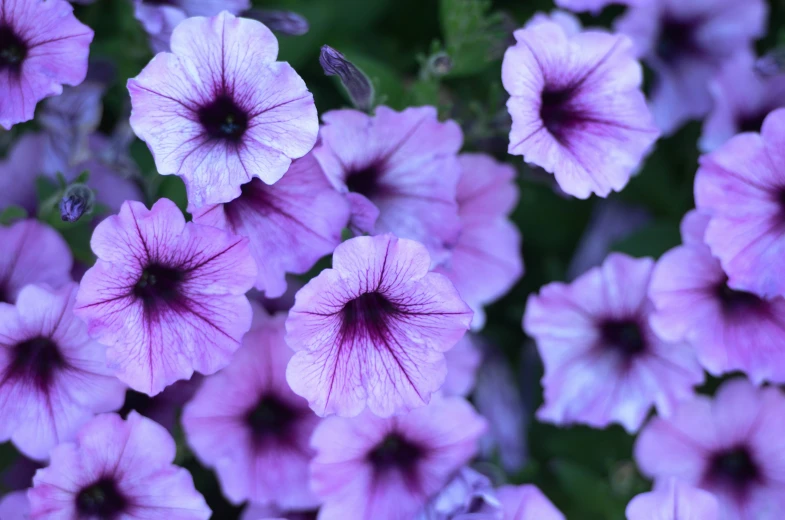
(167, 297)
(741, 186)
(742, 100)
(468, 496)
(42, 47)
(369, 467)
(730, 446)
(577, 108)
(247, 423)
(675, 501)
(289, 225)
(219, 110)
(117, 469)
(283, 22)
(463, 360)
(15, 506)
(32, 252)
(372, 331)
(686, 43)
(729, 329)
(53, 378)
(399, 171)
(595, 6)
(526, 503)
(603, 362)
(19, 171)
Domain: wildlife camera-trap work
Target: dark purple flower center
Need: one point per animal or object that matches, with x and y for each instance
(556, 112)
(395, 452)
(368, 314)
(101, 500)
(13, 49)
(36, 360)
(271, 417)
(223, 119)
(736, 301)
(676, 39)
(365, 181)
(158, 283)
(4, 297)
(734, 467)
(752, 122)
(624, 336)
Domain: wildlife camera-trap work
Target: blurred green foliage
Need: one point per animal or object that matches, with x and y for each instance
(588, 473)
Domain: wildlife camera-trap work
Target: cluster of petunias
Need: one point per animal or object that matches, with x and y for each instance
(350, 400)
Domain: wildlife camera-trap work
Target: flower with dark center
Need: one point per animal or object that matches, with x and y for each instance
(53, 378)
(241, 116)
(167, 296)
(728, 445)
(372, 330)
(573, 93)
(686, 48)
(730, 329)
(290, 224)
(42, 47)
(101, 500)
(402, 462)
(32, 252)
(398, 171)
(597, 346)
(131, 477)
(247, 423)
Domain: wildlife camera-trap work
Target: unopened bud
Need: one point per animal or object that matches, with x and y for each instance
(77, 201)
(282, 22)
(439, 64)
(356, 83)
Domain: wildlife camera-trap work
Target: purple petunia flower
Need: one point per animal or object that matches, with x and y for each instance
(167, 297)
(290, 225)
(741, 186)
(369, 467)
(485, 260)
(219, 110)
(577, 108)
(468, 496)
(742, 99)
(686, 43)
(117, 469)
(15, 506)
(373, 329)
(32, 252)
(42, 47)
(399, 171)
(247, 423)
(675, 501)
(526, 503)
(729, 329)
(603, 362)
(160, 17)
(53, 378)
(730, 446)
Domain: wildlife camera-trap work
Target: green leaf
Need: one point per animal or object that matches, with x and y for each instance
(11, 214)
(473, 36)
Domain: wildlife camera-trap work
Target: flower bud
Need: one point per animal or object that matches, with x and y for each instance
(356, 83)
(77, 200)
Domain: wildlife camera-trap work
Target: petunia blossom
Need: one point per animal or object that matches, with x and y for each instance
(485, 259)
(117, 469)
(468, 496)
(729, 329)
(32, 252)
(53, 377)
(526, 503)
(370, 467)
(42, 47)
(686, 43)
(160, 17)
(372, 331)
(603, 362)
(742, 99)
(730, 446)
(398, 170)
(577, 107)
(674, 501)
(219, 110)
(290, 225)
(247, 423)
(167, 297)
(740, 186)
